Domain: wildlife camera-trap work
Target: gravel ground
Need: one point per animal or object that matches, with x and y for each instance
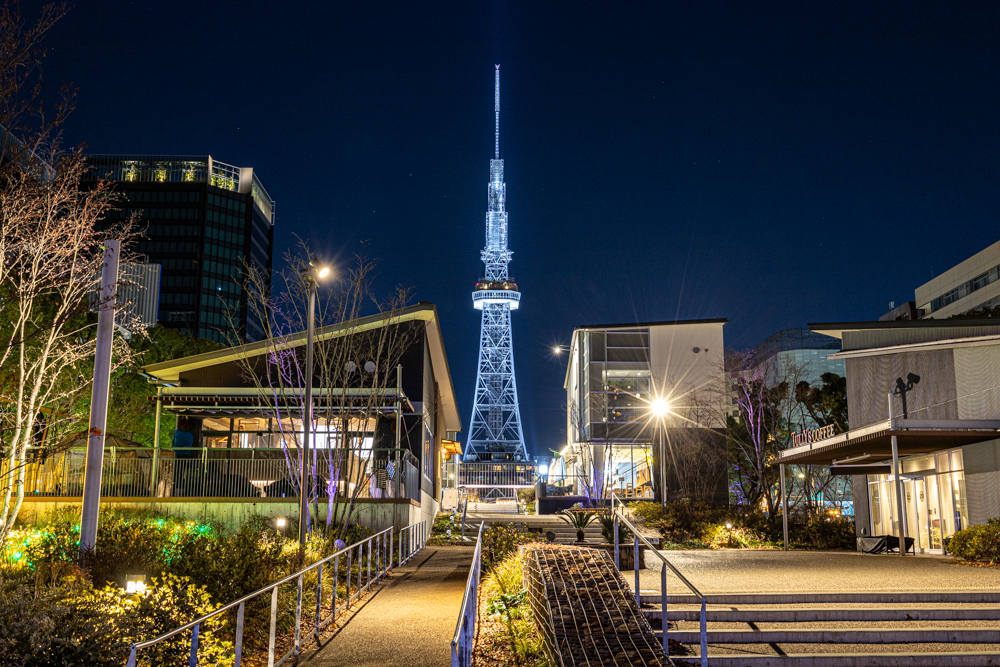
(747, 571)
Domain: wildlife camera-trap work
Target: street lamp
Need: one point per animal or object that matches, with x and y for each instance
(559, 349)
(660, 407)
(311, 274)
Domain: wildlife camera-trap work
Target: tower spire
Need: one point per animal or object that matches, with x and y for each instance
(496, 96)
(495, 432)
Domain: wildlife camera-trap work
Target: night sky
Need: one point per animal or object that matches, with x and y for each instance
(775, 164)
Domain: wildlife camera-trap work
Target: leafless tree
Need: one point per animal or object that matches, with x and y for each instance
(51, 255)
(355, 370)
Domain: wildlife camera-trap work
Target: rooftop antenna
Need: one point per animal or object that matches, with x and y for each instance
(496, 97)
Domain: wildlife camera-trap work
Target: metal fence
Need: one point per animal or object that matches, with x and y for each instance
(468, 614)
(493, 475)
(620, 517)
(219, 473)
(379, 551)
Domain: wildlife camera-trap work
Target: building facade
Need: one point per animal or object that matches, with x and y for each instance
(223, 415)
(931, 389)
(614, 376)
(204, 222)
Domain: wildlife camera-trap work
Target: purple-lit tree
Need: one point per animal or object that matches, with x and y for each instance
(355, 373)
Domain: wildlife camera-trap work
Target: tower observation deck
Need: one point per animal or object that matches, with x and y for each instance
(495, 434)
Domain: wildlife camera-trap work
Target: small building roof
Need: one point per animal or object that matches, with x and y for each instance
(170, 371)
(632, 325)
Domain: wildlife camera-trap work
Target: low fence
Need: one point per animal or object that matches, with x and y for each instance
(497, 475)
(468, 614)
(220, 473)
(379, 551)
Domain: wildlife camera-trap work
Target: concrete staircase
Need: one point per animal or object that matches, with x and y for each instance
(947, 629)
(565, 534)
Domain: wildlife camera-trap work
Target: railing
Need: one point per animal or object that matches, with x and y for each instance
(412, 539)
(381, 543)
(215, 473)
(468, 614)
(619, 516)
(492, 475)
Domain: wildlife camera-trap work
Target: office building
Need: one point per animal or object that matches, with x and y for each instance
(969, 285)
(204, 223)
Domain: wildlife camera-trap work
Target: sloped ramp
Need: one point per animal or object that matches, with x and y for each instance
(584, 610)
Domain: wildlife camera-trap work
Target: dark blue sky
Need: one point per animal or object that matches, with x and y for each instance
(773, 163)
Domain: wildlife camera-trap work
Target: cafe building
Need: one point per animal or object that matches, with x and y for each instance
(923, 449)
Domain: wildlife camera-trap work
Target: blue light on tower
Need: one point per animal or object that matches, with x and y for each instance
(496, 420)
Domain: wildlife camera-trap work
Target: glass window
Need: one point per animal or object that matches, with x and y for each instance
(956, 460)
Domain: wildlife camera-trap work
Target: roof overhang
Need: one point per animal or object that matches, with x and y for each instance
(873, 443)
(170, 371)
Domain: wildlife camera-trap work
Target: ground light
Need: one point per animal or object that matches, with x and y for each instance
(135, 583)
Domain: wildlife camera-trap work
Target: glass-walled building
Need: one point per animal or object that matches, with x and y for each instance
(204, 222)
(615, 374)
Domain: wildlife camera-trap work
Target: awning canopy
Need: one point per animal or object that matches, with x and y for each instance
(873, 443)
(251, 401)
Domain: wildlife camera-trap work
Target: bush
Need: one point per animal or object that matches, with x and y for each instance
(500, 540)
(825, 533)
(69, 625)
(717, 536)
(607, 521)
(506, 598)
(978, 544)
(683, 520)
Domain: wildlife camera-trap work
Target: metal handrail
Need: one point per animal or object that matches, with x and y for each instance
(465, 628)
(416, 540)
(620, 516)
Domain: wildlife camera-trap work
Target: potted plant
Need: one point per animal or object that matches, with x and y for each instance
(579, 519)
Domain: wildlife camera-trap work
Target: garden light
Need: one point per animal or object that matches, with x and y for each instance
(135, 583)
(281, 522)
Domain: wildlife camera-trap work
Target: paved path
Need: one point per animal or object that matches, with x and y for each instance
(409, 621)
(748, 571)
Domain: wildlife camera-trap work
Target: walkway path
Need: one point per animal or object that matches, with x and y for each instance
(749, 571)
(409, 621)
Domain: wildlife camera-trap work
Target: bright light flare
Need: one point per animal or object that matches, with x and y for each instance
(324, 271)
(660, 407)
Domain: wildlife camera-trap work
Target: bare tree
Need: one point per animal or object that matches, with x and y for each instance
(51, 256)
(356, 373)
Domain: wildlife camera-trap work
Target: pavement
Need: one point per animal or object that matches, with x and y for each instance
(408, 621)
(748, 571)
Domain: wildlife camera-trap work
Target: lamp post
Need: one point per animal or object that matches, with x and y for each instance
(660, 407)
(311, 274)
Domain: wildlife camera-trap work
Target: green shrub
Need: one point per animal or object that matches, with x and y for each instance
(607, 521)
(822, 532)
(978, 544)
(718, 536)
(500, 540)
(66, 626)
(505, 597)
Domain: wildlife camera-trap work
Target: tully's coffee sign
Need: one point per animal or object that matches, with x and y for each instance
(813, 435)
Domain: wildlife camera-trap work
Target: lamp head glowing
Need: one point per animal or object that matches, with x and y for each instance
(324, 271)
(660, 407)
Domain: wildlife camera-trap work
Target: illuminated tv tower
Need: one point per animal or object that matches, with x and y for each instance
(495, 433)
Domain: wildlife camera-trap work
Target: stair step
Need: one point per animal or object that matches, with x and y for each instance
(970, 659)
(841, 636)
(828, 614)
(981, 597)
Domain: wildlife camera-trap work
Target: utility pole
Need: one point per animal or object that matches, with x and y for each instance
(99, 399)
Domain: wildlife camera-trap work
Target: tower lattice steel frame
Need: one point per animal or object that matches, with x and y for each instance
(496, 433)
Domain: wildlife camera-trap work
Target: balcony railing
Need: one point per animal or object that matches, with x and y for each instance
(219, 473)
(497, 475)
